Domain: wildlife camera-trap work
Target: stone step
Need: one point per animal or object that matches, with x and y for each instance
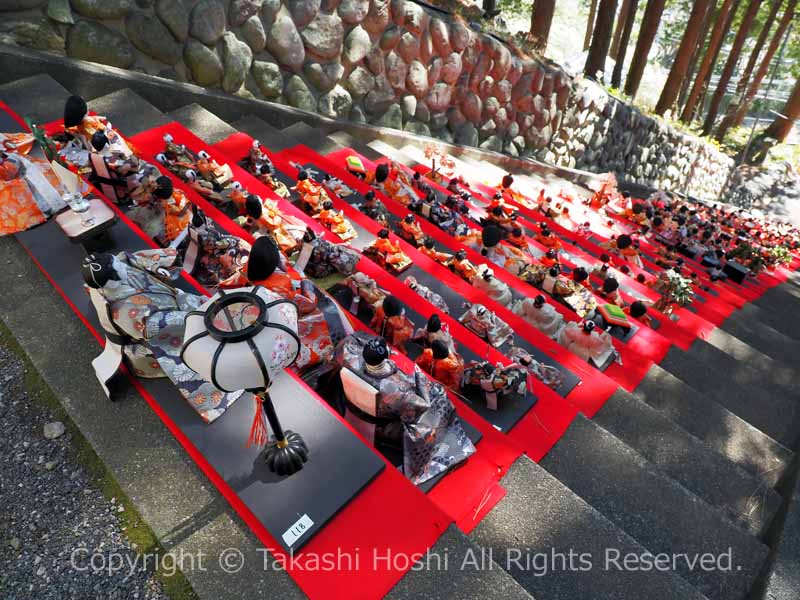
(740, 496)
(654, 509)
(128, 112)
(453, 568)
(39, 97)
(778, 313)
(202, 122)
(703, 416)
(305, 134)
(540, 525)
(261, 130)
(773, 413)
(766, 338)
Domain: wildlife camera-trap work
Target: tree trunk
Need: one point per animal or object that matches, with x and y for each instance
(730, 64)
(681, 63)
(735, 117)
(601, 38)
(616, 78)
(622, 18)
(744, 79)
(587, 38)
(714, 44)
(707, 81)
(647, 34)
(781, 126)
(541, 20)
(698, 52)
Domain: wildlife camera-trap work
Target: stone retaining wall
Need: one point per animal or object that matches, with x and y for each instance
(387, 62)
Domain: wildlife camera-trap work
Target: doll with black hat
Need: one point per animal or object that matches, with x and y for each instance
(387, 254)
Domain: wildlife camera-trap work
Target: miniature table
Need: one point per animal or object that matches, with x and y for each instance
(91, 235)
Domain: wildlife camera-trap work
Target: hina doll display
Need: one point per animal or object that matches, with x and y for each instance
(442, 364)
(498, 217)
(387, 254)
(486, 325)
(212, 256)
(548, 375)
(584, 340)
(409, 412)
(143, 316)
(81, 126)
(428, 248)
(540, 314)
(494, 384)
(112, 170)
(375, 209)
(550, 259)
(627, 249)
(427, 293)
(491, 286)
(266, 175)
(30, 192)
(260, 165)
(638, 310)
(432, 332)
(311, 194)
(610, 291)
(334, 221)
(517, 238)
(263, 218)
(165, 214)
(326, 258)
(508, 194)
(364, 288)
(389, 179)
(463, 267)
(321, 323)
(580, 276)
(509, 257)
(546, 238)
(410, 231)
(390, 322)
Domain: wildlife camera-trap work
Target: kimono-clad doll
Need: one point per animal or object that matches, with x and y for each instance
(486, 325)
(463, 267)
(517, 238)
(387, 254)
(509, 257)
(427, 293)
(548, 375)
(392, 182)
(550, 259)
(375, 209)
(334, 221)
(212, 256)
(112, 171)
(82, 126)
(365, 288)
(610, 291)
(325, 258)
(541, 315)
(497, 217)
(260, 165)
(394, 409)
(262, 217)
(443, 364)
(546, 238)
(432, 332)
(143, 317)
(17, 142)
(391, 323)
(498, 201)
(321, 323)
(586, 342)
(311, 194)
(491, 286)
(627, 249)
(428, 248)
(510, 195)
(495, 383)
(30, 192)
(165, 214)
(410, 230)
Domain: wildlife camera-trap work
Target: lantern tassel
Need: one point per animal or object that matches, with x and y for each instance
(258, 431)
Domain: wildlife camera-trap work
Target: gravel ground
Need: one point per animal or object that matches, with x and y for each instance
(51, 516)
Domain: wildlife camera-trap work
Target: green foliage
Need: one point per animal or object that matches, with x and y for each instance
(781, 254)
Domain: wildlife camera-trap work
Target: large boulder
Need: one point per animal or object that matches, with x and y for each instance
(467, 135)
(374, 61)
(284, 43)
(360, 82)
(241, 10)
(96, 9)
(380, 98)
(396, 70)
(501, 63)
(59, 11)
(335, 104)
(152, 37)
(392, 118)
(236, 58)
(417, 79)
(254, 34)
(408, 47)
(439, 98)
(204, 64)
(323, 36)
(417, 128)
(472, 106)
(459, 37)
(7, 5)
(356, 45)
(303, 11)
(207, 22)
(269, 10)
(37, 33)
(378, 16)
(353, 11)
(440, 36)
(298, 94)
(97, 43)
(409, 106)
(175, 15)
(268, 77)
(323, 77)
(451, 70)
(390, 37)
(435, 71)
(413, 17)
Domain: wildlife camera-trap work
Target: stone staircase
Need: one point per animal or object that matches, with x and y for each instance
(698, 459)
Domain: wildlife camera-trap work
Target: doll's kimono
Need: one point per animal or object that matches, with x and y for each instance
(212, 256)
(486, 325)
(30, 192)
(409, 411)
(143, 317)
(545, 318)
(594, 347)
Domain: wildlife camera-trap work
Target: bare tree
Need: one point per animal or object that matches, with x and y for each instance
(647, 34)
(601, 38)
(616, 77)
(681, 63)
(622, 18)
(698, 53)
(541, 21)
(587, 37)
(762, 39)
(782, 125)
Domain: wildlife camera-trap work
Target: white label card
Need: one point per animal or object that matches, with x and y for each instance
(297, 530)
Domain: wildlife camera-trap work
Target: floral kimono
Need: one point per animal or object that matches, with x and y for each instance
(411, 411)
(30, 192)
(213, 256)
(146, 316)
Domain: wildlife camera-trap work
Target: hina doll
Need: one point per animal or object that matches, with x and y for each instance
(143, 317)
(375, 209)
(178, 153)
(410, 412)
(509, 195)
(509, 257)
(517, 238)
(540, 314)
(638, 310)
(321, 323)
(263, 218)
(463, 267)
(212, 256)
(165, 214)
(586, 342)
(548, 375)
(546, 238)
(498, 201)
(266, 175)
(626, 248)
(410, 230)
(311, 193)
(497, 216)
(391, 323)
(365, 288)
(427, 293)
(428, 248)
(495, 384)
(444, 365)
(610, 291)
(81, 126)
(30, 192)
(387, 254)
(434, 331)
(326, 258)
(486, 325)
(580, 276)
(257, 157)
(111, 170)
(550, 259)
(219, 176)
(392, 182)
(334, 221)
(491, 286)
